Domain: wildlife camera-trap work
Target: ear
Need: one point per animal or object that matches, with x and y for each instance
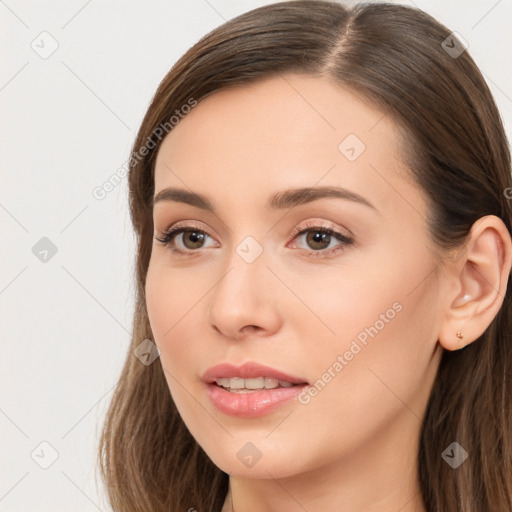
(478, 283)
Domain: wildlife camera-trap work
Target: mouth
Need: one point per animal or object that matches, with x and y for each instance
(250, 390)
(250, 376)
(250, 397)
(239, 385)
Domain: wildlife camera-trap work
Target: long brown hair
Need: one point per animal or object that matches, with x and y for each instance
(457, 152)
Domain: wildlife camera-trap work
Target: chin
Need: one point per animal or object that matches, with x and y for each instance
(250, 462)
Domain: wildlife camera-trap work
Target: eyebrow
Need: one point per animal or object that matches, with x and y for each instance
(280, 200)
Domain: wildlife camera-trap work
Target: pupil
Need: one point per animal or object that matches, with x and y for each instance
(319, 238)
(195, 237)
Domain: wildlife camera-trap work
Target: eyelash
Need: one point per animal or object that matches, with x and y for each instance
(169, 235)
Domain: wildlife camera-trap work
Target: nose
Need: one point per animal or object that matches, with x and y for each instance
(245, 300)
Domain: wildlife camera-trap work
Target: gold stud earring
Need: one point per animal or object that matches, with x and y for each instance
(460, 335)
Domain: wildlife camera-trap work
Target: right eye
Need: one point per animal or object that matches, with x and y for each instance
(191, 239)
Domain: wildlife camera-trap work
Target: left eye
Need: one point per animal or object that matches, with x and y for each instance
(318, 238)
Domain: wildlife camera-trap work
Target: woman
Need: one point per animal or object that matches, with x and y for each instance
(319, 195)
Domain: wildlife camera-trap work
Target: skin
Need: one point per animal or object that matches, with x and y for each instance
(353, 447)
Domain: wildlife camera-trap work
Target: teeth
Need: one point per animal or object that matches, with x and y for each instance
(240, 385)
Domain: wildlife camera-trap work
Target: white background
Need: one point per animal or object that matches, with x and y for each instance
(67, 124)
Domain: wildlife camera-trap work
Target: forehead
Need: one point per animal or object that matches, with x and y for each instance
(280, 132)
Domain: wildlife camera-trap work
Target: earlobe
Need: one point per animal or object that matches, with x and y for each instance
(480, 280)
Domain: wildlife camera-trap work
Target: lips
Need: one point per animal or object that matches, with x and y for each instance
(249, 370)
(231, 389)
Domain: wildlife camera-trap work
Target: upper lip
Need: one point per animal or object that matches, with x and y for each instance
(247, 371)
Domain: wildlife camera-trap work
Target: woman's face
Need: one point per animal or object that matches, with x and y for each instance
(355, 316)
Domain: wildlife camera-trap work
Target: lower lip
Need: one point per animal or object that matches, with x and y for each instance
(253, 403)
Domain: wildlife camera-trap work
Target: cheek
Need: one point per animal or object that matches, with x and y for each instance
(172, 296)
(171, 293)
(339, 304)
(385, 369)
(378, 333)
(177, 299)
